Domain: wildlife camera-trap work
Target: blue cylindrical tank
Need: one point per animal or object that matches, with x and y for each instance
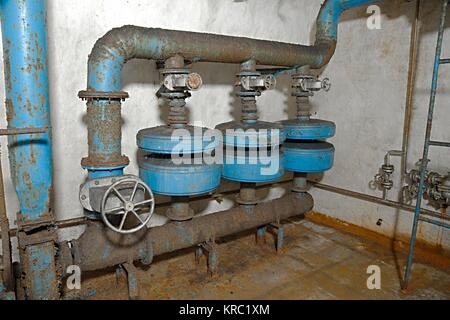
(253, 166)
(165, 177)
(308, 157)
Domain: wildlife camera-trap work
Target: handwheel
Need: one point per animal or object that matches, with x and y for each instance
(117, 217)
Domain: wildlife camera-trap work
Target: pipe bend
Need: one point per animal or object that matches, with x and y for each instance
(122, 44)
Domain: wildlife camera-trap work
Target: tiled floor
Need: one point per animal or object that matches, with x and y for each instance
(316, 262)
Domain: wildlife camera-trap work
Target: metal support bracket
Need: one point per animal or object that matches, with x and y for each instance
(210, 248)
(261, 235)
(276, 229)
(130, 272)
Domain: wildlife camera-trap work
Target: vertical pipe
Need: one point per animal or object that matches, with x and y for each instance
(6, 244)
(27, 105)
(426, 147)
(414, 50)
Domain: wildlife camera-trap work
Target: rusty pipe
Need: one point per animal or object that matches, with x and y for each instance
(100, 247)
(120, 45)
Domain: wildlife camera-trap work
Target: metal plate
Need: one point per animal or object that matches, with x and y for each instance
(170, 140)
(308, 157)
(92, 191)
(253, 168)
(252, 135)
(313, 129)
(164, 177)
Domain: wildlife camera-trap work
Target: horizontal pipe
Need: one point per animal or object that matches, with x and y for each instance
(14, 132)
(100, 247)
(68, 223)
(435, 222)
(120, 45)
(369, 198)
(440, 144)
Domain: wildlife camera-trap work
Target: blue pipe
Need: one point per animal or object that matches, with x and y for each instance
(27, 105)
(331, 11)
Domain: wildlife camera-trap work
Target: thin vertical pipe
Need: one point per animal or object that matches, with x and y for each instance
(412, 70)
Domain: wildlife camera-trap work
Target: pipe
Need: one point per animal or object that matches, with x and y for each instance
(384, 202)
(426, 147)
(27, 105)
(120, 45)
(6, 266)
(99, 247)
(412, 70)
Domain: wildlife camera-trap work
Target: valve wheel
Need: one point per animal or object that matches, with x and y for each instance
(129, 207)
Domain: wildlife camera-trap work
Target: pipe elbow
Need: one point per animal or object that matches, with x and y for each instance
(327, 27)
(107, 58)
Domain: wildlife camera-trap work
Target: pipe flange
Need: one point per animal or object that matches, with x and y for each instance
(180, 217)
(90, 162)
(247, 202)
(99, 95)
(300, 189)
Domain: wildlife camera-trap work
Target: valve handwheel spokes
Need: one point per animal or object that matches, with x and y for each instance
(130, 209)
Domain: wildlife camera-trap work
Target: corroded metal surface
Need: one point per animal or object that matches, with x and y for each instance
(120, 45)
(27, 104)
(317, 262)
(99, 248)
(104, 135)
(30, 150)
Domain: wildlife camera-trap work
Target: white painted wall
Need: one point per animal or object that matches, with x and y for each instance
(368, 73)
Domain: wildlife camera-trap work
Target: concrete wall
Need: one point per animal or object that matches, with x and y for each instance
(368, 73)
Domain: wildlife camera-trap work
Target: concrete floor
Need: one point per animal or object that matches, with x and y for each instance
(317, 262)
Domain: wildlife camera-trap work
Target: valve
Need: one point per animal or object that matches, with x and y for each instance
(444, 188)
(130, 206)
(383, 179)
(176, 86)
(309, 84)
(436, 187)
(257, 82)
(251, 83)
(183, 81)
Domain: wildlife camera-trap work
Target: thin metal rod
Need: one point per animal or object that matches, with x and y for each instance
(6, 244)
(440, 144)
(424, 164)
(435, 222)
(444, 61)
(412, 71)
(14, 132)
(369, 198)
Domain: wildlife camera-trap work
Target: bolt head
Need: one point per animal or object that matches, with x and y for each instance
(194, 81)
